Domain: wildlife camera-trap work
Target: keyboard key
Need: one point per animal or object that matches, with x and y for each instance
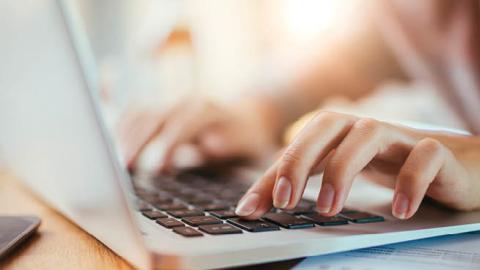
(348, 211)
(143, 195)
(288, 221)
(187, 231)
(230, 195)
(156, 198)
(213, 206)
(327, 221)
(220, 229)
(161, 201)
(224, 214)
(169, 222)
(303, 207)
(171, 187)
(186, 192)
(232, 202)
(185, 213)
(172, 206)
(197, 183)
(199, 200)
(203, 220)
(213, 188)
(362, 217)
(163, 194)
(254, 225)
(143, 206)
(153, 214)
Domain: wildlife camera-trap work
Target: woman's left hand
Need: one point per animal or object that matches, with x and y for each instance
(444, 167)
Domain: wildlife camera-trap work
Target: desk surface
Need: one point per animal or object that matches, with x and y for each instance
(60, 244)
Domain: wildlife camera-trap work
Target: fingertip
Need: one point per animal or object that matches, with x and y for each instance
(131, 163)
(156, 157)
(253, 216)
(262, 191)
(400, 206)
(248, 204)
(281, 193)
(330, 213)
(127, 155)
(215, 144)
(257, 205)
(259, 212)
(162, 169)
(326, 198)
(131, 169)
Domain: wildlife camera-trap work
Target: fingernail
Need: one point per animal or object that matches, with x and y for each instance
(161, 162)
(325, 199)
(281, 194)
(248, 204)
(163, 165)
(400, 206)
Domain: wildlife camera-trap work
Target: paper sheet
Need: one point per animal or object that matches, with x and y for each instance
(460, 251)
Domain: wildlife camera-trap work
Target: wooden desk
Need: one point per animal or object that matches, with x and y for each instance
(59, 244)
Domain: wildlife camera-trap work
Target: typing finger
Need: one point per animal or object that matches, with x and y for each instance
(314, 143)
(141, 133)
(258, 199)
(183, 128)
(420, 169)
(353, 154)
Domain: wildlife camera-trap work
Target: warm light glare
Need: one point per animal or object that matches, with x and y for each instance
(305, 19)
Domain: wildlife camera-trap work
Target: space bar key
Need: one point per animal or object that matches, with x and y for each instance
(253, 225)
(288, 221)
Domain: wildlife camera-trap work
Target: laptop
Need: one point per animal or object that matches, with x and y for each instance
(53, 137)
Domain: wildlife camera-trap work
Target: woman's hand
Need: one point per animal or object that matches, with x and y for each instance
(445, 168)
(217, 132)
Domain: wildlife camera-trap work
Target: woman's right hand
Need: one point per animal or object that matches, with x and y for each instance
(216, 131)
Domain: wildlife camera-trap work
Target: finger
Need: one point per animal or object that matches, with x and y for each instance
(188, 156)
(128, 117)
(278, 154)
(258, 199)
(423, 164)
(183, 128)
(141, 134)
(220, 142)
(320, 166)
(353, 154)
(313, 144)
(124, 127)
(132, 132)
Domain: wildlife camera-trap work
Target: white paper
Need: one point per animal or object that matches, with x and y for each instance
(460, 251)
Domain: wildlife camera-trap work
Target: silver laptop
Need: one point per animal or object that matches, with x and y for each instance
(52, 136)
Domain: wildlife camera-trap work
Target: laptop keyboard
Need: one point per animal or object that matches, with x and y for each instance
(192, 206)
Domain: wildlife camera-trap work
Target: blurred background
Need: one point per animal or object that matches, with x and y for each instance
(158, 51)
